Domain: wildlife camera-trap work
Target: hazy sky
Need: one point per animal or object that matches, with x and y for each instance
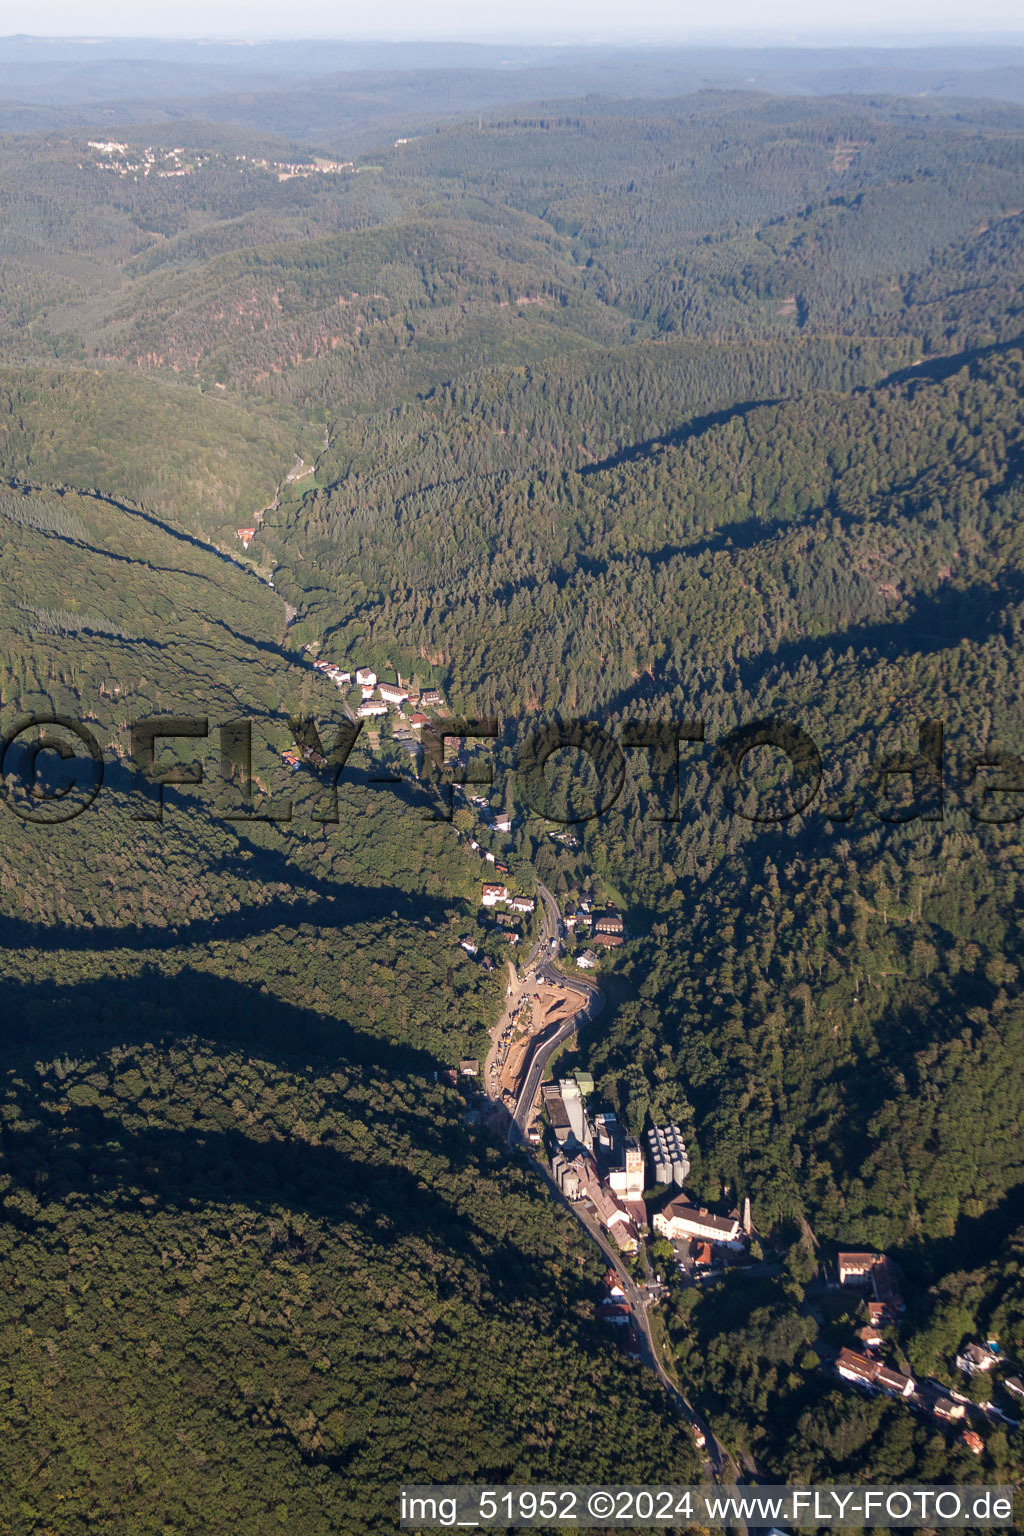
(553, 19)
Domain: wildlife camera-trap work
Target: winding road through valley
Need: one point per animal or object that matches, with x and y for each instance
(541, 964)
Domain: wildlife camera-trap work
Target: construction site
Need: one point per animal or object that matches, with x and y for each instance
(540, 1009)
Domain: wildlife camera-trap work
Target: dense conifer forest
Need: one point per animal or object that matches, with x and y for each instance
(695, 405)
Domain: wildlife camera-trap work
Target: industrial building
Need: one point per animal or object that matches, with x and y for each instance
(627, 1181)
(667, 1152)
(566, 1109)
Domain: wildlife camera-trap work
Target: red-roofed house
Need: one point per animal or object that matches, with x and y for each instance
(614, 1311)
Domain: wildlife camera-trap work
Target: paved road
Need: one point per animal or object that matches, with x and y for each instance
(528, 1093)
(591, 997)
(717, 1457)
(542, 961)
(593, 1001)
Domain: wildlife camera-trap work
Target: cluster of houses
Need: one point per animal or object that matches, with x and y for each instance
(377, 697)
(605, 929)
(497, 821)
(615, 1310)
(609, 931)
(495, 894)
(179, 162)
(469, 1067)
(286, 169)
(336, 674)
(874, 1272)
(506, 920)
(869, 1372)
(984, 1360)
(472, 949)
(151, 161)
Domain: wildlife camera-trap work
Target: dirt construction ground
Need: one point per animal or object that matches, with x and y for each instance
(549, 1007)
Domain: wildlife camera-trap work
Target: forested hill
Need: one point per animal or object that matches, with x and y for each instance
(359, 95)
(690, 407)
(250, 1242)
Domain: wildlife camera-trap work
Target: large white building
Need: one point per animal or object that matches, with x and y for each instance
(680, 1219)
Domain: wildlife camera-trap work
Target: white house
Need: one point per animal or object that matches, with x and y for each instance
(855, 1367)
(976, 1360)
(895, 1381)
(366, 677)
(490, 895)
(371, 707)
(392, 695)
